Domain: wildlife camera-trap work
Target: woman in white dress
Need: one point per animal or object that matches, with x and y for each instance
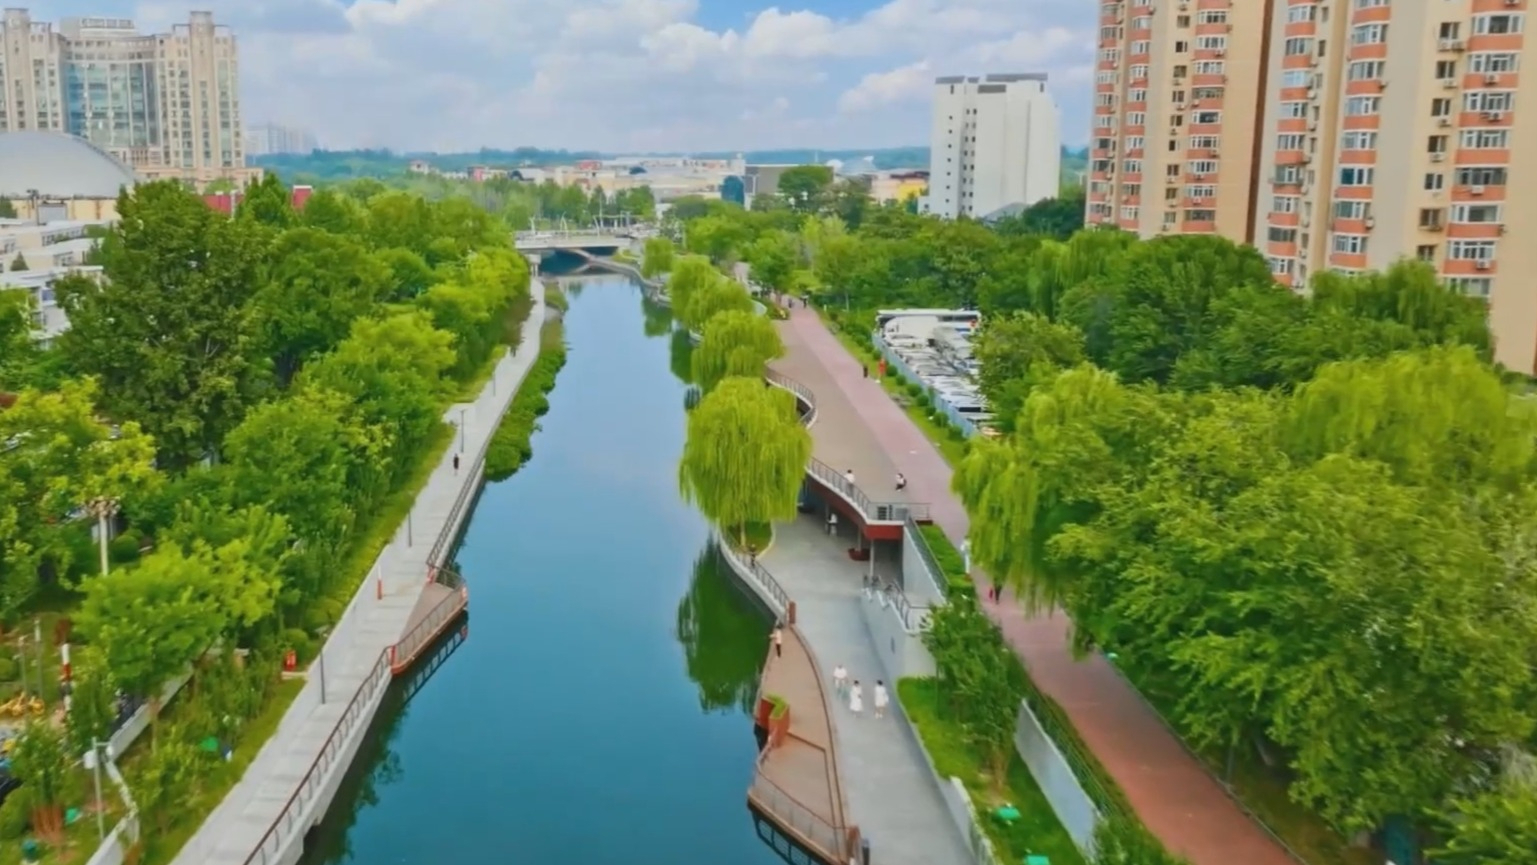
(856, 699)
(840, 680)
(882, 699)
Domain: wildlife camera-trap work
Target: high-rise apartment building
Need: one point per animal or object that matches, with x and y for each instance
(167, 104)
(996, 142)
(264, 139)
(1177, 108)
(1403, 130)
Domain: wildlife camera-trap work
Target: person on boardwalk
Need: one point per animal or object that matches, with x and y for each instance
(856, 699)
(882, 699)
(901, 482)
(779, 640)
(840, 680)
(865, 368)
(456, 463)
(848, 480)
(832, 521)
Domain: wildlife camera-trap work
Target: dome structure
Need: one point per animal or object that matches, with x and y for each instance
(58, 165)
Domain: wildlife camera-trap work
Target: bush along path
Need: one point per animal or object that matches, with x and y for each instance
(512, 444)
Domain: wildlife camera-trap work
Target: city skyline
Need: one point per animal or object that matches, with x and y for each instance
(643, 75)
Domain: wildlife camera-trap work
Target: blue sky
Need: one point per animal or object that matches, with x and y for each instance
(627, 74)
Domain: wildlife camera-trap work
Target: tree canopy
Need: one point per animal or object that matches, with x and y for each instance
(734, 343)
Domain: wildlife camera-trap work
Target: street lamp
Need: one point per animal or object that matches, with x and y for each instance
(103, 509)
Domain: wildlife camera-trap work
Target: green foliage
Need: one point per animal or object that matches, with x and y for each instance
(734, 343)
(980, 679)
(1123, 841)
(7, 209)
(93, 701)
(657, 257)
(774, 258)
(511, 446)
(19, 263)
(724, 637)
(689, 276)
(733, 483)
(717, 296)
(952, 564)
(804, 185)
(1018, 352)
(1496, 826)
(319, 284)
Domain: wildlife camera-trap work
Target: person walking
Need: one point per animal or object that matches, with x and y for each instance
(848, 479)
(856, 699)
(456, 463)
(865, 368)
(840, 681)
(882, 699)
(779, 640)
(901, 482)
(832, 521)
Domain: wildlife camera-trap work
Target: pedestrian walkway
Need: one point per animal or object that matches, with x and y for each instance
(376, 618)
(892, 794)
(1173, 794)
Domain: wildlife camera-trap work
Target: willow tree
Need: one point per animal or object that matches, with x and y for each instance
(657, 257)
(745, 455)
(690, 274)
(710, 300)
(734, 343)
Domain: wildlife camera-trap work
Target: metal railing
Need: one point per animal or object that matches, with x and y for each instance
(790, 813)
(937, 575)
(412, 642)
(875, 512)
(801, 392)
(914, 617)
(293, 819)
(758, 574)
(438, 552)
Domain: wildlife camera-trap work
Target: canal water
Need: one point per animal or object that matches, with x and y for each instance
(597, 710)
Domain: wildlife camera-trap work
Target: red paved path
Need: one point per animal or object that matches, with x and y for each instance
(1169, 789)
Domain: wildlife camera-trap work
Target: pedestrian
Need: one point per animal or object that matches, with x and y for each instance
(996, 592)
(881, 699)
(779, 640)
(840, 680)
(848, 478)
(901, 482)
(856, 699)
(456, 463)
(865, 368)
(752, 554)
(832, 521)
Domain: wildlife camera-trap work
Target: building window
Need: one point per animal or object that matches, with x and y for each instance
(1435, 181)
(1301, 13)
(1481, 175)
(1472, 286)
(1478, 214)
(1205, 142)
(1281, 266)
(1484, 139)
(1293, 110)
(1361, 106)
(1470, 250)
(1358, 140)
(1211, 16)
(1425, 252)
(1484, 62)
(1365, 70)
(1431, 217)
(1368, 34)
(1350, 244)
(1288, 141)
(1436, 144)
(1350, 209)
(1297, 46)
(1284, 204)
(1211, 43)
(1209, 67)
(1203, 167)
(1201, 215)
(1200, 191)
(1508, 22)
(1356, 175)
(1277, 234)
(1205, 118)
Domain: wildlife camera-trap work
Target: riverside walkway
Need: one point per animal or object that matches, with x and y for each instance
(286, 789)
(1170, 790)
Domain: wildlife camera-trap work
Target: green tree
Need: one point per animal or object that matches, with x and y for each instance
(1058, 218)
(152, 621)
(980, 680)
(720, 238)
(734, 343)
(690, 274)
(18, 263)
(657, 258)
(805, 186)
(39, 762)
(745, 455)
(92, 701)
(774, 258)
(409, 273)
(7, 209)
(164, 782)
(714, 298)
(330, 210)
(169, 331)
(268, 202)
(317, 285)
(1017, 353)
(1497, 826)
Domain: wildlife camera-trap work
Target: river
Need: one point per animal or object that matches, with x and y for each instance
(597, 710)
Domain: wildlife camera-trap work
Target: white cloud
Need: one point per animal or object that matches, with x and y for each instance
(621, 74)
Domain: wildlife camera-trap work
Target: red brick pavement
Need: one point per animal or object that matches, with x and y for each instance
(1176, 798)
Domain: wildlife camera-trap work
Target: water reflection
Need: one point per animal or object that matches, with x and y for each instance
(680, 356)
(724, 633)
(658, 316)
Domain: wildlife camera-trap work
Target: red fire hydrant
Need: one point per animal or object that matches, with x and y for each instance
(290, 661)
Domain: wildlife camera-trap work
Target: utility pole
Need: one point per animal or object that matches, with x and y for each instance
(93, 762)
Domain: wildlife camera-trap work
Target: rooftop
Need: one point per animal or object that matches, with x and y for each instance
(56, 165)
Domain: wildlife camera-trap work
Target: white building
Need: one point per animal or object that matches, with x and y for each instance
(267, 139)
(996, 143)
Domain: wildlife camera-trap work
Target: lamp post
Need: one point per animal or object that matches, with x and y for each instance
(461, 430)
(103, 509)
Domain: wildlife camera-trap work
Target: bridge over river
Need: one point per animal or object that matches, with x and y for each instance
(591, 241)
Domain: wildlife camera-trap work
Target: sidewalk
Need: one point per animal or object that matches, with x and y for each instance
(370, 625)
(1170, 790)
(890, 789)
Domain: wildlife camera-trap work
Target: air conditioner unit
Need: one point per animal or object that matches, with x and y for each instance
(1306, 219)
(1220, 52)
(1476, 190)
(1495, 116)
(1484, 264)
(1450, 45)
(1449, 83)
(1436, 227)
(1312, 93)
(1444, 122)
(1312, 125)
(1438, 157)
(1512, 2)
(1370, 222)
(1312, 59)
(1492, 78)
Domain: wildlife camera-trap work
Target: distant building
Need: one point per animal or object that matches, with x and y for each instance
(52, 176)
(996, 141)
(271, 139)
(229, 202)
(168, 104)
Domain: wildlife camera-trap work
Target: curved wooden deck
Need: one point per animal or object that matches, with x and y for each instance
(796, 785)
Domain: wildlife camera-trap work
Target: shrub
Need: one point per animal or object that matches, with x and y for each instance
(511, 445)
(298, 641)
(124, 549)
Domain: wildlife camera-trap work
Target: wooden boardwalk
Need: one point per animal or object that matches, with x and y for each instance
(1171, 791)
(796, 785)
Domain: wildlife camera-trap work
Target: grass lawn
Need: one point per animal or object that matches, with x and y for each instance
(862, 351)
(1037, 831)
(219, 777)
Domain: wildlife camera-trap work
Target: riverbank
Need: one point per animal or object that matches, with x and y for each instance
(294, 775)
